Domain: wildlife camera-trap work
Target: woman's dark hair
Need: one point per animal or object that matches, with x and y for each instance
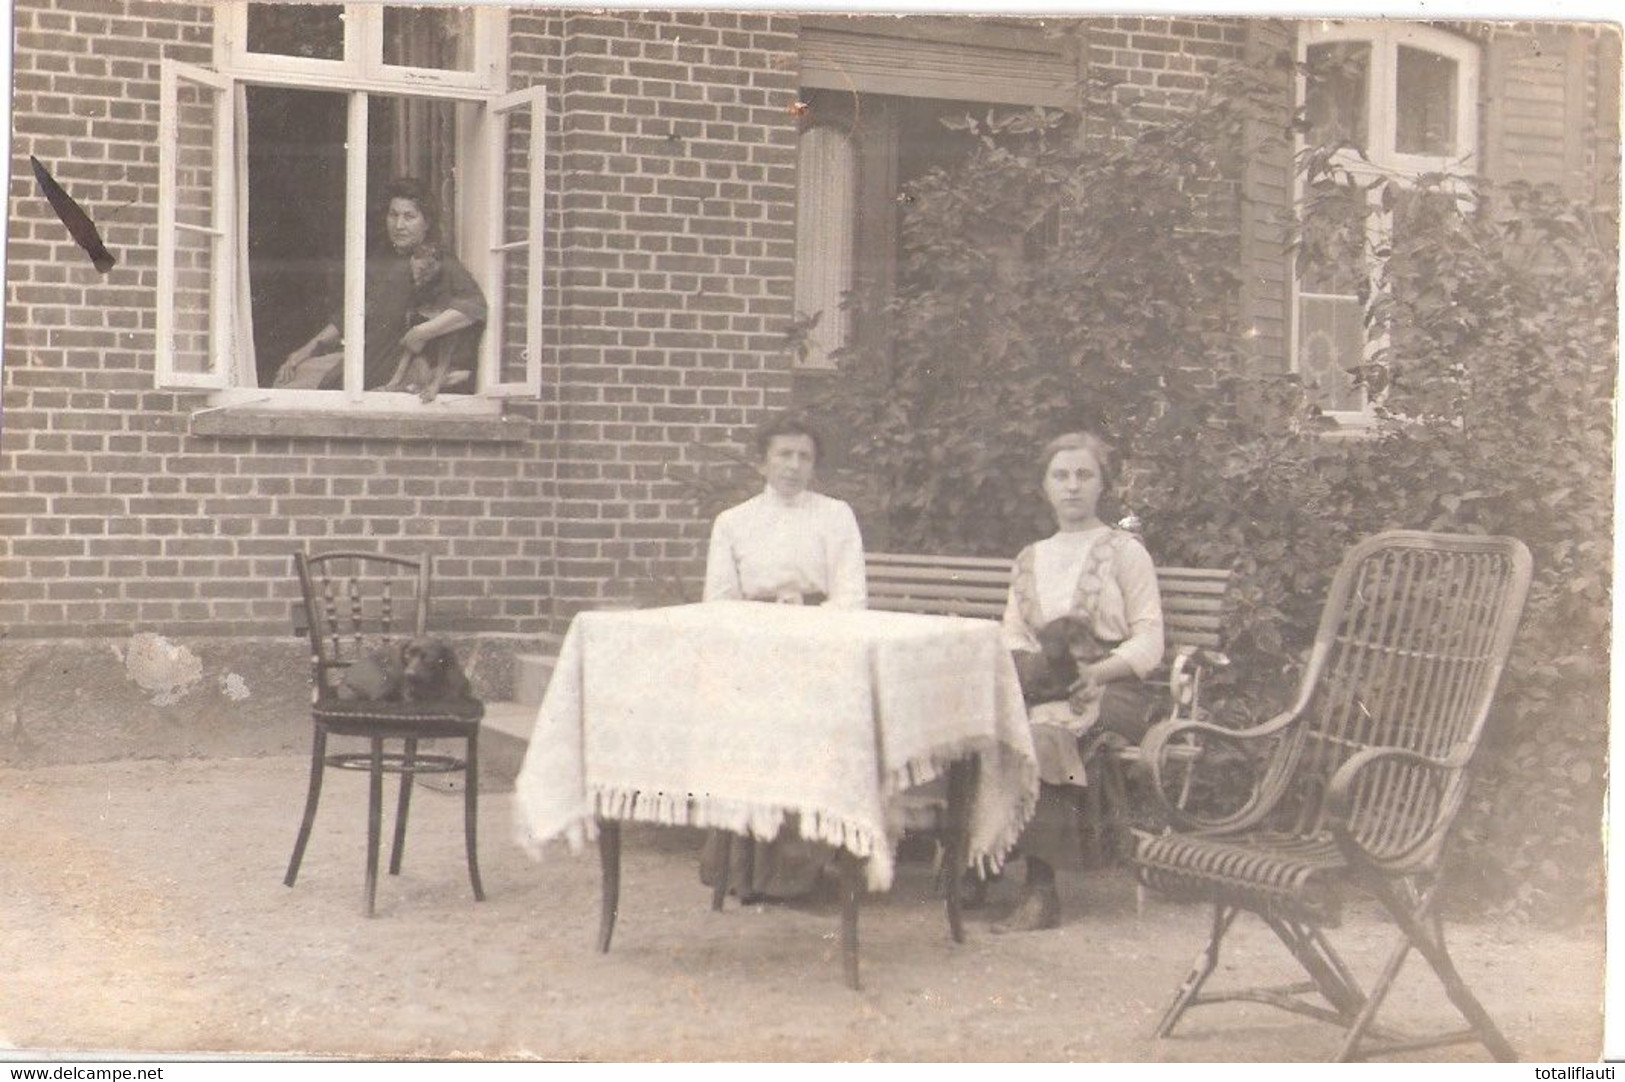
(418, 192)
(1105, 455)
(788, 423)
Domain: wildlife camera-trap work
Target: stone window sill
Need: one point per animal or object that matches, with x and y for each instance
(232, 423)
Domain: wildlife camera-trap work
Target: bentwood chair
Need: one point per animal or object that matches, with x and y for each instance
(354, 604)
(1356, 786)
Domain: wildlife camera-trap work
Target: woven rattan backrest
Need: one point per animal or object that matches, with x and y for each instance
(354, 602)
(1416, 631)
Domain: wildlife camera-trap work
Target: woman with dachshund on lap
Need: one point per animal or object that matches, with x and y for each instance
(1089, 594)
(424, 313)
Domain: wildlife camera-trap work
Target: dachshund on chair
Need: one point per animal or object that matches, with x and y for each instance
(420, 670)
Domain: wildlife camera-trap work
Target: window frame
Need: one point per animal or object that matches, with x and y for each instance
(479, 198)
(363, 67)
(1382, 157)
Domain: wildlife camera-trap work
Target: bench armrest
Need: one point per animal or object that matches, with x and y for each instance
(1185, 674)
(1158, 749)
(1385, 836)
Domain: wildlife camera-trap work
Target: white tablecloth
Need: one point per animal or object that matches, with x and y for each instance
(733, 714)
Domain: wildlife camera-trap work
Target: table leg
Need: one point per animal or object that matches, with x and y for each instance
(609, 859)
(747, 866)
(962, 779)
(723, 845)
(852, 882)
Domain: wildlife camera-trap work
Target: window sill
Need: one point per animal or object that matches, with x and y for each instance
(322, 424)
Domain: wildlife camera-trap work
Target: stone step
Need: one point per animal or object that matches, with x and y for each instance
(531, 672)
(504, 736)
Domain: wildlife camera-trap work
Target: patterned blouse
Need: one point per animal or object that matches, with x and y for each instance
(1102, 575)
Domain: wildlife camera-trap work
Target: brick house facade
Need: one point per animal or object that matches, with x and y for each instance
(671, 263)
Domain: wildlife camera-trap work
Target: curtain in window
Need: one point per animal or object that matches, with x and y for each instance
(825, 213)
(425, 135)
(425, 140)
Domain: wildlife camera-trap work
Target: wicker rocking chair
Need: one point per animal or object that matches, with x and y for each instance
(1357, 785)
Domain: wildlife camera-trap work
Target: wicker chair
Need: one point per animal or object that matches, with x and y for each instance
(353, 603)
(1357, 785)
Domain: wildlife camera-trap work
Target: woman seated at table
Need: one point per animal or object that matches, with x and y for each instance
(788, 544)
(1090, 592)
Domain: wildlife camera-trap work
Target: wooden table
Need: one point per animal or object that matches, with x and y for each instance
(739, 715)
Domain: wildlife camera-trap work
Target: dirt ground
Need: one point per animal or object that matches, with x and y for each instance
(143, 911)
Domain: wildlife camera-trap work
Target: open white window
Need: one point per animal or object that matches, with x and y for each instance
(277, 176)
(196, 347)
(1400, 100)
(511, 364)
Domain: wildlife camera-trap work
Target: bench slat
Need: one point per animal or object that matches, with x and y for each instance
(987, 610)
(1175, 602)
(1174, 584)
(1192, 597)
(904, 559)
(999, 577)
(942, 589)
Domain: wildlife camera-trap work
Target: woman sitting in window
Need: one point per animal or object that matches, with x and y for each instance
(396, 307)
(1088, 594)
(792, 545)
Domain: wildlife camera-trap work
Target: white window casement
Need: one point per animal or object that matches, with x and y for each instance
(1399, 100)
(273, 174)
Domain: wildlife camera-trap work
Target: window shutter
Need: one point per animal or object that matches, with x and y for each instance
(1536, 125)
(1266, 202)
(196, 220)
(511, 356)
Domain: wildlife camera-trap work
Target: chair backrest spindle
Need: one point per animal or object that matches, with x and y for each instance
(1410, 648)
(350, 603)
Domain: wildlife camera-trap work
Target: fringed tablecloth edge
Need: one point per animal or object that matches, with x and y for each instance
(988, 855)
(763, 821)
(575, 828)
(926, 768)
(989, 858)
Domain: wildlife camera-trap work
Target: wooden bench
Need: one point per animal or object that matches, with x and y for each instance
(1192, 603)
(977, 586)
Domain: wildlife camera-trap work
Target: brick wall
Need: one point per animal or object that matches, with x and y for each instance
(677, 248)
(670, 264)
(114, 517)
(1158, 61)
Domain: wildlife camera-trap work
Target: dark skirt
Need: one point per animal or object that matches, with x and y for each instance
(789, 866)
(1053, 834)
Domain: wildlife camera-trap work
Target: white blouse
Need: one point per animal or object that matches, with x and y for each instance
(768, 544)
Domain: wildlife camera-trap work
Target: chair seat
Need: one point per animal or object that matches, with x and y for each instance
(362, 717)
(1285, 875)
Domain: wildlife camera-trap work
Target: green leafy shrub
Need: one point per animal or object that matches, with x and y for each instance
(1052, 280)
